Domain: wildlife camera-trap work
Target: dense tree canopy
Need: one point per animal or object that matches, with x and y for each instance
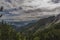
(51, 33)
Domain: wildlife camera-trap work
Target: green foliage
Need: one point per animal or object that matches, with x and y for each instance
(51, 33)
(36, 38)
(7, 33)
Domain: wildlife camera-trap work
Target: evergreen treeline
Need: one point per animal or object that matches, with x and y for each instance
(51, 33)
(8, 33)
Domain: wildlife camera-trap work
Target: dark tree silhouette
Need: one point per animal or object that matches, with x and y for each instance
(1, 15)
(1, 8)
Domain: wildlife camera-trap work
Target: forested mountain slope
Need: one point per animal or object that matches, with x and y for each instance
(44, 29)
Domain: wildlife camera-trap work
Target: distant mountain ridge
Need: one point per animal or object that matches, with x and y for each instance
(41, 24)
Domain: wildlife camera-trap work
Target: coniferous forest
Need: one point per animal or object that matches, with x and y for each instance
(51, 33)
